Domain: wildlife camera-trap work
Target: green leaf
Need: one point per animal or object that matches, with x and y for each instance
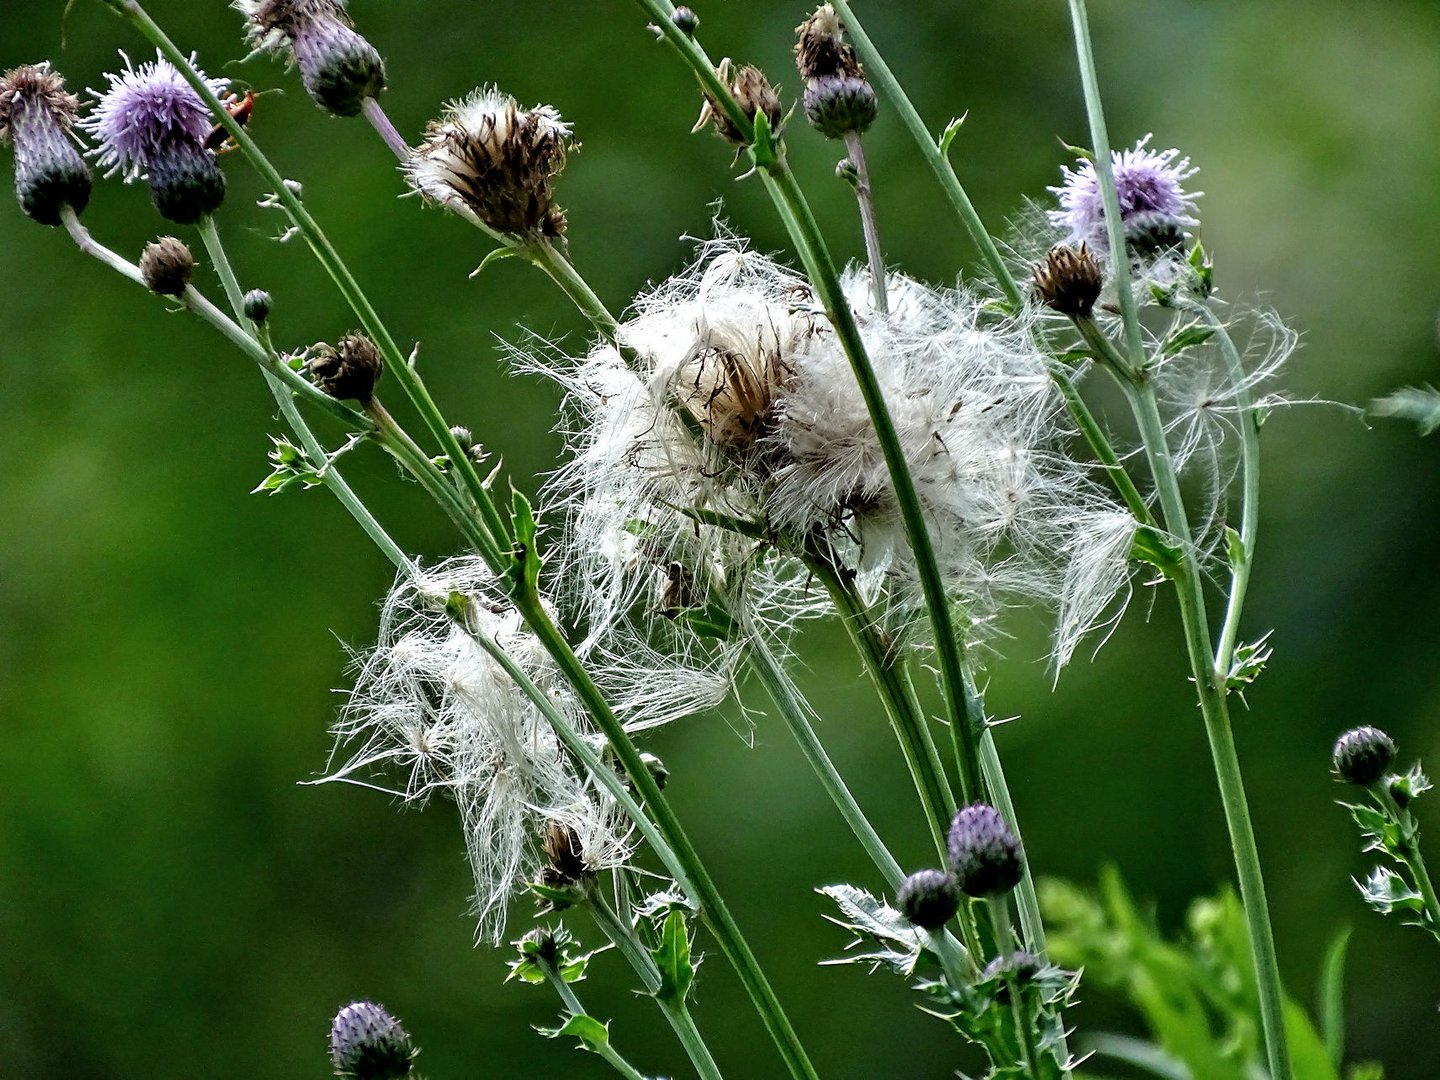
(764, 148)
(895, 943)
(1387, 892)
(672, 957)
(524, 570)
(1145, 1056)
(1419, 404)
(1247, 662)
(948, 135)
(1185, 337)
(593, 1035)
(493, 257)
(289, 466)
(1149, 545)
(1332, 996)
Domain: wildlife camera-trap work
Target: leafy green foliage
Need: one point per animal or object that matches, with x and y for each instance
(1197, 996)
(1390, 829)
(556, 948)
(883, 936)
(672, 957)
(289, 466)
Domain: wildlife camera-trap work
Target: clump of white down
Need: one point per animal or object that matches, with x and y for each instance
(735, 398)
(434, 709)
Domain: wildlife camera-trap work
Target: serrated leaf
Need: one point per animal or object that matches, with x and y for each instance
(1418, 404)
(1248, 661)
(1387, 892)
(1185, 337)
(663, 903)
(593, 1035)
(289, 466)
(672, 957)
(524, 570)
(898, 945)
(1411, 785)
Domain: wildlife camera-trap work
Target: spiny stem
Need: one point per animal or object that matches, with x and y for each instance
(1410, 852)
(868, 224)
(375, 113)
(1209, 686)
(1006, 948)
(603, 1049)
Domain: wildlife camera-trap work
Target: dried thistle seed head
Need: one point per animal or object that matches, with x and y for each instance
(367, 1043)
(984, 854)
(729, 385)
(350, 371)
(929, 898)
(820, 47)
(36, 115)
(338, 67)
(257, 305)
(166, 265)
(1362, 755)
(565, 863)
(752, 92)
(837, 105)
(1068, 280)
(151, 124)
(490, 158)
(685, 20)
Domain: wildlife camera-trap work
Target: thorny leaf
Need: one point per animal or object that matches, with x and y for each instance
(672, 957)
(1247, 662)
(593, 1035)
(1386, 891)
(948, 135)
(663, 903)
(1411, 785)
(289, 465)
(563, 951)
(896, 944)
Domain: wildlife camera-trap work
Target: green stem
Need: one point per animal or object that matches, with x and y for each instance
(1409, 848)
(1005, 947)
(865, 197)
(1100, 445)
(542, 253)
(604, 1049)
(1025, 899)
(622, 936)
(879, 72)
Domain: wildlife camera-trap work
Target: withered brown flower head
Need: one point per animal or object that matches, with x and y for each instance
(753, 93)
(36, 115)
(1068, 280)
(348, 372)
(821, 50)
(730, 388)
(488, 157)
(564, 857)
(166, 265)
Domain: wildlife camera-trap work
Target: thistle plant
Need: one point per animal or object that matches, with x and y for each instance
(756, 446)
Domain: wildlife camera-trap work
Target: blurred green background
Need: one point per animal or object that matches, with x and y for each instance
(173, 905)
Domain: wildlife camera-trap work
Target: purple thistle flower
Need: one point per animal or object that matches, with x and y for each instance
(367, 1043)
(36, 115)
(150, 124)
(985, 855)
(1154, 205)
(338, 67)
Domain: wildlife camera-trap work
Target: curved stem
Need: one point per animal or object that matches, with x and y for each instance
(375, 113)
(603, 1049)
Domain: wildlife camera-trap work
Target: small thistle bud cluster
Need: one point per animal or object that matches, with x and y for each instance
(1154, 205)
(1068, 280)
(488, 157)
(349, 371)
(36, 117)
(1362, 755)
(166, 265)
(338, 67)
(839, 99)
(984, 854)
(257, 305)
(431, 705)
(367, 1043)
(686, 21)
(755, 96)
(151, 124)
(929, 898)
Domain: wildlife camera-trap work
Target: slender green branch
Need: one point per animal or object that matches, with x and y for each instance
(542, 253)
(865, 197)
(1100, 445)
(1005, 946)
(603, 1047)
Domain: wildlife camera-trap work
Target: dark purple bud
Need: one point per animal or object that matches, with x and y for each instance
(1362, 755)
(928, 898)
(367, 1043)
(984, 854)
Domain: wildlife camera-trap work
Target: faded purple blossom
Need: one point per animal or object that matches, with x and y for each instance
(338, 67)
(1150, 185)
(985, 855)
(150, 124)
(36, 115)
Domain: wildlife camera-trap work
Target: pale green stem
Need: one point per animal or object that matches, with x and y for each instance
(603, 1049)
(1025, 899)
(874, 255)
(1409, 847)
(880, 74)
(375, 113)
(543, 254)
(1005, 946)
(622, 936)
(1141, 394)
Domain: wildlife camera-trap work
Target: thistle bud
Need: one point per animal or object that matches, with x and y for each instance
(338, 67)
(488, 157)
(257, 305)
(349, 372)
(1362, 755)
(752, 92)
(36, 115)
(685, 20)
(151, 124)
(837, 105)
(367, 1043)
(1020, 966)
(929, 898)
(984, 854)
(166, 265)
(1068, 280)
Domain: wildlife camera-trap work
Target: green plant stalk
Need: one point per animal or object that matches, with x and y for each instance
(1249, 491)
(879, 72)
(1211, 689)
(623, 937)
(1005, 946)
(1100, 445)
(1026, 901)
(865, 197)
(572, 1003)
(396, 362)
(1410, 851)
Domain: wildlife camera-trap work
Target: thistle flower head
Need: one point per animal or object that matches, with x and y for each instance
(488, 157)
(166, 265)
(36, 116)
(1362, 755)
(820, 47)
(929, 898)
(367, 1043)
(752, 92)
(1068, 280)
(151, 124)
(984, 854)
(350, 370)
(1154, 204)
(433, 706)
(338, 67)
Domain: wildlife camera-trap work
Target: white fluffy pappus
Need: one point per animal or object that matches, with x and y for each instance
(433, 709)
